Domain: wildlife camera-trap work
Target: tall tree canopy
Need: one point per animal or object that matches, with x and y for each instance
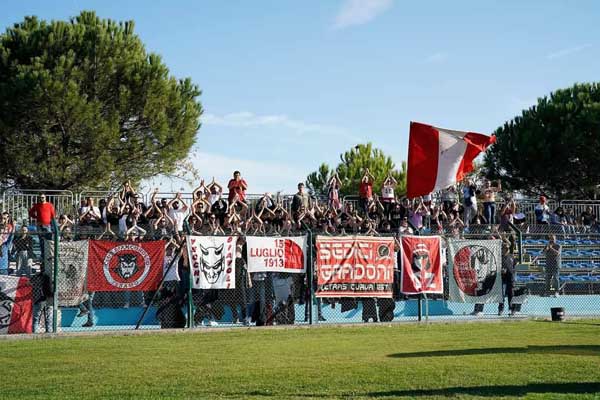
(82, 104)
(351, 169)
(553, 147)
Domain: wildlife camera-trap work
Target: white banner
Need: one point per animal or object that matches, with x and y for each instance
(474, 270)
(212, 260)
(277, 254)
(72, 269)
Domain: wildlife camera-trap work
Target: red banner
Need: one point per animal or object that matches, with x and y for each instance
(125, 266)
(355, 266)
(421, 265)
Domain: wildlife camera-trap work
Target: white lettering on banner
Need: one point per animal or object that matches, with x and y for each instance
(327, 251)
(345, 272)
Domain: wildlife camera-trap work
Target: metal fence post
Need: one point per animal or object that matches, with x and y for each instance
(56, 234)
(519, 239)
(190, 304)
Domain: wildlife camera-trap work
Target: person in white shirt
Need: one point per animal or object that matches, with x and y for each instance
(178, 211)
(89, 214)
(388, 199)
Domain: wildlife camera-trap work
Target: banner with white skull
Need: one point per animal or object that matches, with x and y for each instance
(72, 268)
(474, 271)
(212, 260)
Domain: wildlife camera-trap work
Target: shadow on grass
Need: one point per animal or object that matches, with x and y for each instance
(575, 350)
(481, 391)
(576, 322)
(495, 391)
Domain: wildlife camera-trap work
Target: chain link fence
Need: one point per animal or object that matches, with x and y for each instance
(556, 267)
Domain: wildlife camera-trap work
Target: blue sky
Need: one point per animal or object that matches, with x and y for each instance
(288, 85)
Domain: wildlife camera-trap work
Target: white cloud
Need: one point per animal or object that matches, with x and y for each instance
(436, 58)
(261, 176)
(359, 12)
(246, 119)
(568, 51)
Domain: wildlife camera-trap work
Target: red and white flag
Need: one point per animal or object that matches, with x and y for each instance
(438, 158)
(15, 305)
(124, 266)
(276, 254)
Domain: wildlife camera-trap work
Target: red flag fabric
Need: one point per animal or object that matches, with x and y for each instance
(125, 266)
(15, 305)
(355, 266)
(438, 158)
(421, 265)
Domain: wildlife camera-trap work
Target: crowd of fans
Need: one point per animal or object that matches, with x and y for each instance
(124, 216)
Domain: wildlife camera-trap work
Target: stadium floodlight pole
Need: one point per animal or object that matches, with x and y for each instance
(175, 259)
(56, 233)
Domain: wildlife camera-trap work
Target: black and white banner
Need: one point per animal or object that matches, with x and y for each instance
(72, 268)
(276, 254)
(475, 271)
(212, 260)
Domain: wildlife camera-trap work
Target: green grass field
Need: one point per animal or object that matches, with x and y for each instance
(463, 360)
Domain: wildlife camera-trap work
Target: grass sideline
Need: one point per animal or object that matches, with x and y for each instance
(532, 359)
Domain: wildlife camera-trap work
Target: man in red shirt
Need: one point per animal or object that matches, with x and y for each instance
(365, 191)
(43, 212)
(237, 186)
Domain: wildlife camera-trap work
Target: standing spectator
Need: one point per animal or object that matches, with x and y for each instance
(388, 198)
(542, 212)
(23, 247)
(588, 219)
(6, 238)
(215, 190)
(508, 278)
(237, 187)
(90, 214)
(489, 201)
(507, 215)
(559, 219)
(553, 254)
(365, 191)
(333, 192)
(87, 308)
(469, 202)
(43, 296)
(416, 214)
(301, 201)
(43, 213)
(178, 212)
(449, 198)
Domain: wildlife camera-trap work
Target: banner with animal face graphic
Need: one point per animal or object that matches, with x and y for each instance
(276, 254)
(355, 266)
(475, 271)
(212, 260)
(125, 266)
(421, 265)
(72, 267)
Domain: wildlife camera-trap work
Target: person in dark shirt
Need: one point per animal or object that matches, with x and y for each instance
(23, 250)
(43, 295)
